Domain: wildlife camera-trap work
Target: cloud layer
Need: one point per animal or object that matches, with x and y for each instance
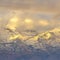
(34, 5)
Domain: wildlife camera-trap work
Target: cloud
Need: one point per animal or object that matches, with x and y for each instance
(13, 23)
(32, 5)
(43, 22)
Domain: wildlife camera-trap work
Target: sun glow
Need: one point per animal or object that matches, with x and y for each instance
(43, 22)
(13, 23)
(28, 23)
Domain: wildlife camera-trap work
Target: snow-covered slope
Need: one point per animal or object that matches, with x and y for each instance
(42, 41)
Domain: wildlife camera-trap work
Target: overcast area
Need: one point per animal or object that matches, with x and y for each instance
(32, 5)
(32, 27)
(38, 15)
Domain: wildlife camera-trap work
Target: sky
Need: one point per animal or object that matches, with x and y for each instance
(32, 5)
(39, 15)
(22, 15)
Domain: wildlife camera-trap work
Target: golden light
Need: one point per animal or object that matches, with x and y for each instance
(13, 23)
(32, 40)
(43, 22)
(19, 36)
(11, 38)
(46, 35)
(28, 23)
(56, 30)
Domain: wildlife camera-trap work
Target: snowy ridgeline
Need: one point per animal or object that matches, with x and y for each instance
(48, 41)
